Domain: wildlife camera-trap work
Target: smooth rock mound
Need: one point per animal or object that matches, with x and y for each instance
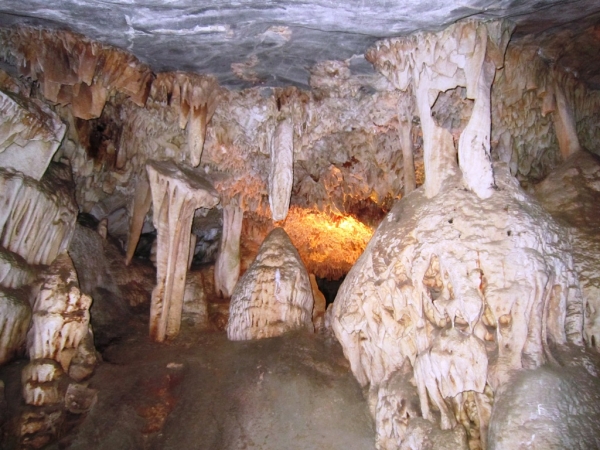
(274, 295)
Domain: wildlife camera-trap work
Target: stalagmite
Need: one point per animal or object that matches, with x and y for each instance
(274, 295)
(60, 315)
(30, 134)
(227, 266)
(442, 276)
(464, 54)
(176, 193)
(281, 176)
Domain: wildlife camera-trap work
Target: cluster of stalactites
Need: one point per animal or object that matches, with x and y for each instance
(196, 97)
(72, 69)
(464, 54)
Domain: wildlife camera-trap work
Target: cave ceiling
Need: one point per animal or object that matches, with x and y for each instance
(275, 43)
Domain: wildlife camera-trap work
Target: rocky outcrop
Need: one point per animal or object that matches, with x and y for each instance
(176, 193)
(274, 295)
(468, 290)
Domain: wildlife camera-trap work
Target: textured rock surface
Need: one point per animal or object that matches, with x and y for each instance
(60, 314)
(15, 314)
(176, 194)
(30, 134)
(271, 42)
(281, 176)
(570, 193)
(498, 271)
(274, 295)
(464, 54)
(39, 218)
(547, 408)
(227, 266)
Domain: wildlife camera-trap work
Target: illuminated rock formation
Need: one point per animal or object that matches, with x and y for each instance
(176, 193)
(274, 295)
(30, 133)
(464, 54)
(451, 281)
(227, 266)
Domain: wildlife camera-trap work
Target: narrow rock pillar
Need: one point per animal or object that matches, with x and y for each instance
(227, 267)
(281, 177)
(176, 193)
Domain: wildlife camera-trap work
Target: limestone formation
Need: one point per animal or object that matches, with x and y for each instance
(38, 219)
(274, 295)
(570, 193)
(60, 314)
(227, 266)
(30, 134)
(281, 176)
(15, 314)
(197, 98)
(463, 54)
(74, 70)
(40, 379)
(469, 290)
(176, 193)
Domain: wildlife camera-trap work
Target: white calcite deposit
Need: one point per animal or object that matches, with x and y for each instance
(468, 290)
(274, 295)
(176, 193)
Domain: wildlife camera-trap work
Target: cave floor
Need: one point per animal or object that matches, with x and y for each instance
(202, 391)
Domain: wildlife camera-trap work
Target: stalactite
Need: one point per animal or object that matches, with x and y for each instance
(176, 193)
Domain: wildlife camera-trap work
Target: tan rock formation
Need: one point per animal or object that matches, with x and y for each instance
(75, 70)
(15, 314)
(450, 281)
(60, 314)
(176, 193)
(464, 54)
(40, 380)
(227, 266)
(281, 176)
(30, 134)
(570, 193)
(274, 295)
(39, 218)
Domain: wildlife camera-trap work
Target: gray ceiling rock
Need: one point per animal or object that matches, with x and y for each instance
(270, 42)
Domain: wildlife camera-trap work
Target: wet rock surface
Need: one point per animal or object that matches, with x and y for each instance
(204, 392)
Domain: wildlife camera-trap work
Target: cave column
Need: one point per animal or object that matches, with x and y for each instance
(227, 266)
(564, 123)
(281, 176)
(405, 112)
(176, 193)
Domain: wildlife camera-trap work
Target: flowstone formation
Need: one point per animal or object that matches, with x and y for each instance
(274, 295)
(176, 193)
(464, 54)
(464, 291)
